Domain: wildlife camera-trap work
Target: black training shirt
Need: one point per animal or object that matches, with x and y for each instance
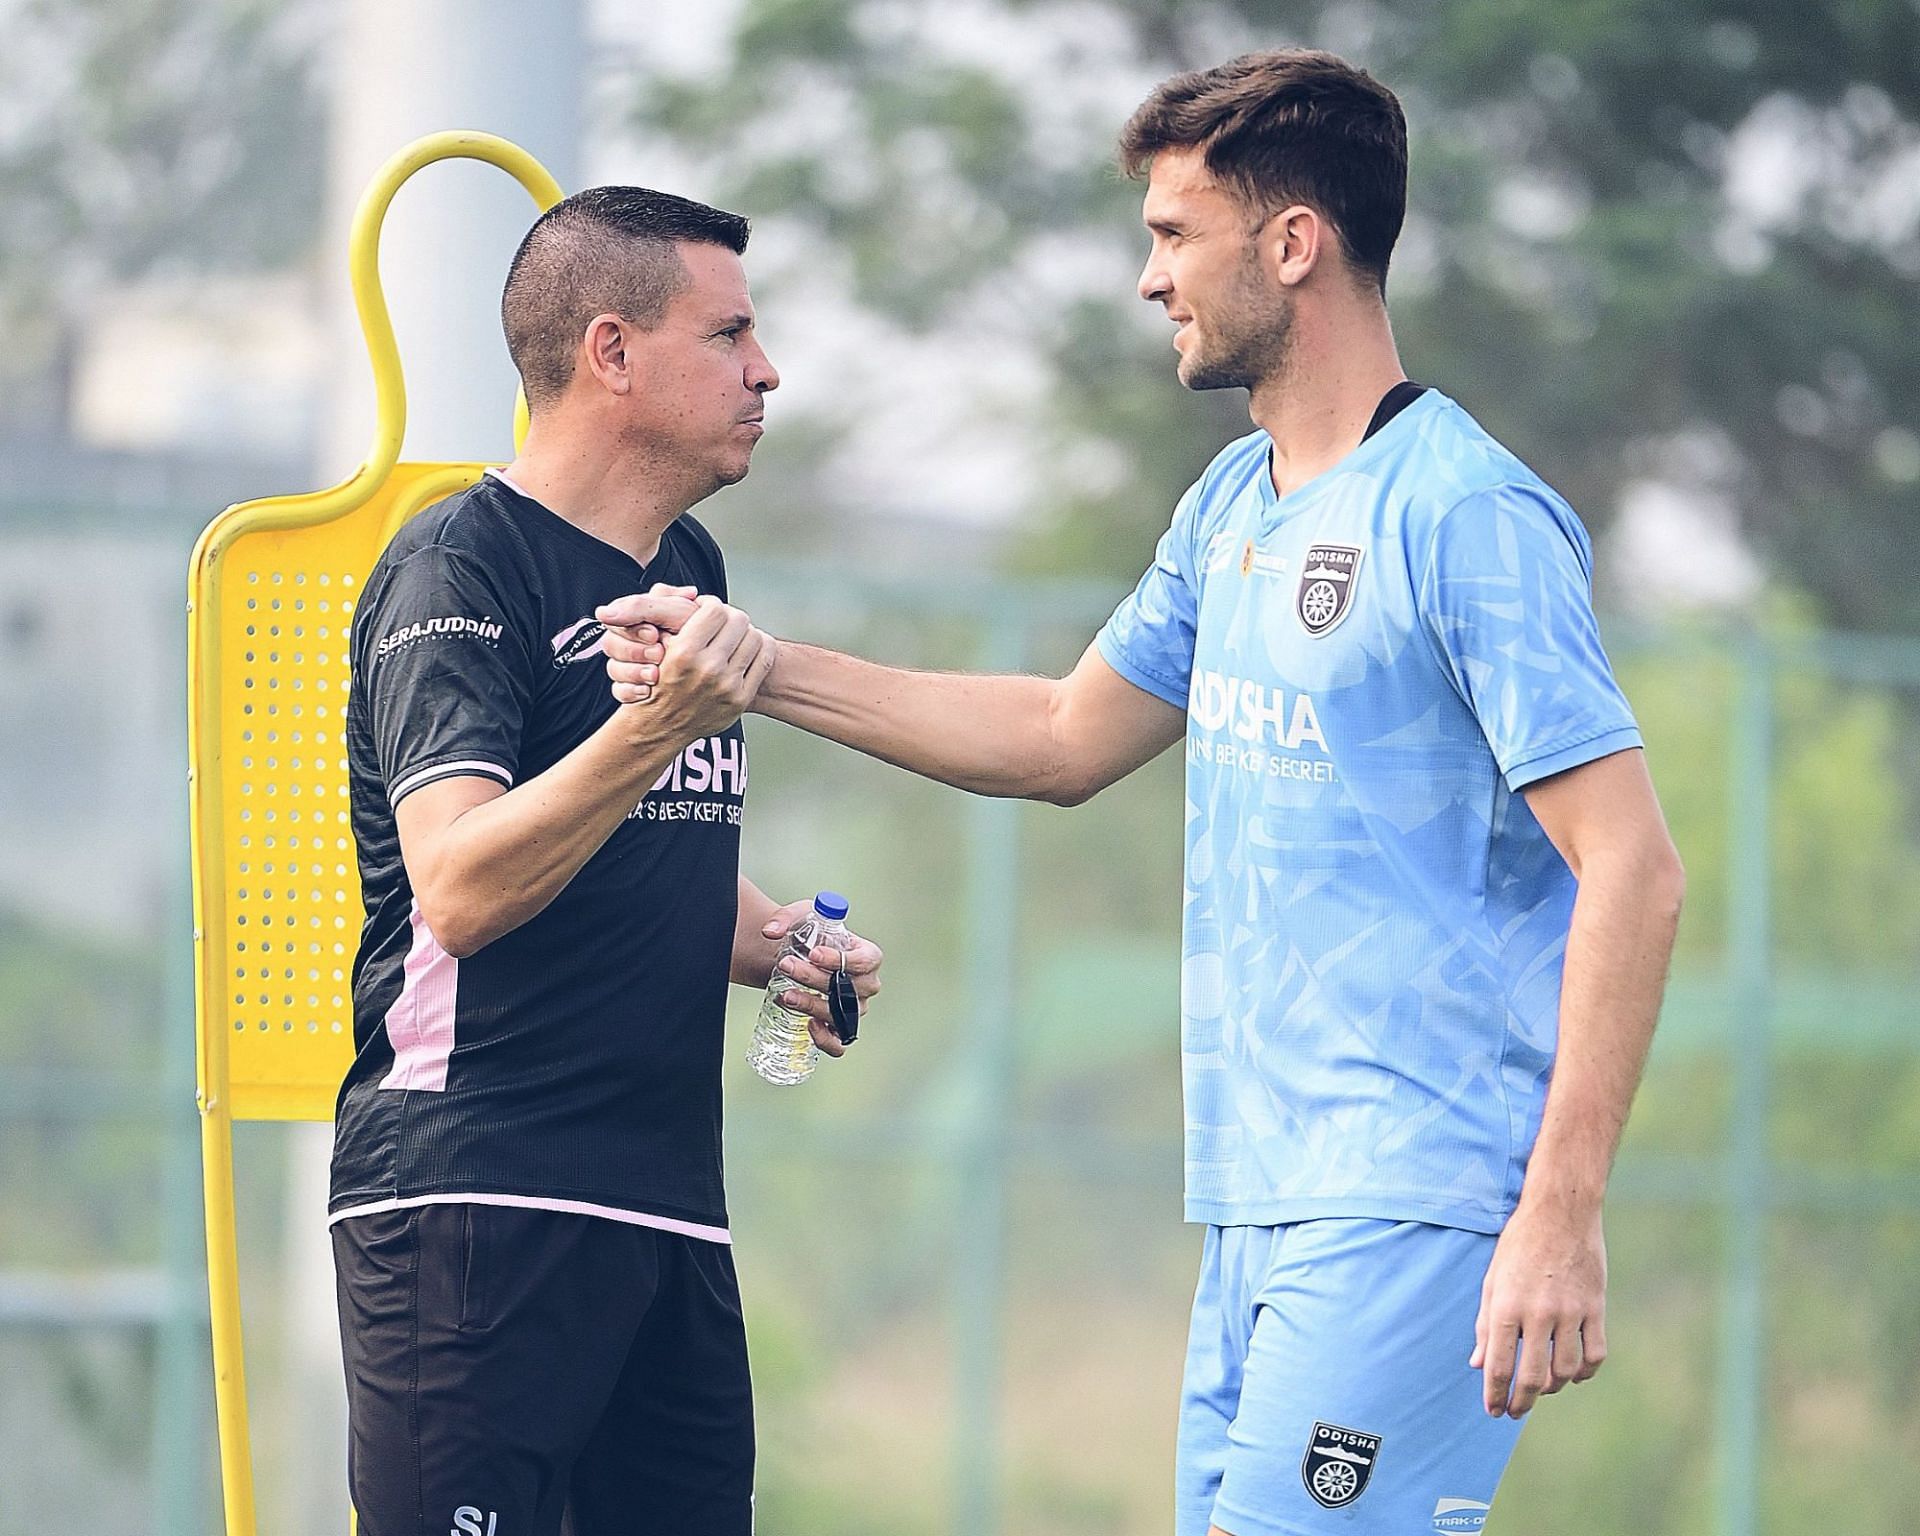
(574, 1063)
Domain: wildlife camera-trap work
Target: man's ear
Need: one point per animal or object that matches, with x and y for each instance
(1291, 244)
(604, 350)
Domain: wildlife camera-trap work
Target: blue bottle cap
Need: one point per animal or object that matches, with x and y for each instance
(831, 905)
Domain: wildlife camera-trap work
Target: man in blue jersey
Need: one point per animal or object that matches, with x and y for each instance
(1429, 895)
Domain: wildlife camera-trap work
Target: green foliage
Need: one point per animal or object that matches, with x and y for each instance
(1576, 270)
(1845, 894)
(139, 136)
(81, 1183)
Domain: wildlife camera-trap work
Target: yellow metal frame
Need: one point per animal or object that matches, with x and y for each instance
(276, 893)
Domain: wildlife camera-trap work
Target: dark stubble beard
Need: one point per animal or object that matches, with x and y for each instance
(1251, 334)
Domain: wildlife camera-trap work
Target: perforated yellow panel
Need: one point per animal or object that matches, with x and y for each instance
(278, 906)
(276, 889)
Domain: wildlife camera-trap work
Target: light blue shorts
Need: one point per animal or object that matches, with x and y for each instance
(1328, 1388)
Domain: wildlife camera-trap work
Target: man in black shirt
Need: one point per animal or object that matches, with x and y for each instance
(538, 1305)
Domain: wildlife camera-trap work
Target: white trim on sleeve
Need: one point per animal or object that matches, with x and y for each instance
(427, 775)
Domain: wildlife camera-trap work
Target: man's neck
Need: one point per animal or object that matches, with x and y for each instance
(623, 500)
(1316, 408)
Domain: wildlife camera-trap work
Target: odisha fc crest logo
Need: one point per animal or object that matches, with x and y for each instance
(1326, 586)
(1337, 1464)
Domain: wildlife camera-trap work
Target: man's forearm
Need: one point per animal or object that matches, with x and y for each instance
(992, 735)
(754, 953)
(1621, 939)
(505, 860)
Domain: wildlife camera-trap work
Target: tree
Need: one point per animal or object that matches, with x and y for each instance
(143, 135)
(1648, 238)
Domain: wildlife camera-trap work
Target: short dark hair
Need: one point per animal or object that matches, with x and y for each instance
(1291, 125)
(607, 250)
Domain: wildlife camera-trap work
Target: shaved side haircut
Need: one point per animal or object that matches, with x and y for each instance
(607, 250)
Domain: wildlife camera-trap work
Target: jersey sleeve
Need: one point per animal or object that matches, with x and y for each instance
(1507, 601)
(445, 672)
(1149, 640)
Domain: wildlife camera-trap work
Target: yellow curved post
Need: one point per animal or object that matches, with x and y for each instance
(276, 893)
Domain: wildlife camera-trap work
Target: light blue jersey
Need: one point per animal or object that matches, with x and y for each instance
(1372, 666)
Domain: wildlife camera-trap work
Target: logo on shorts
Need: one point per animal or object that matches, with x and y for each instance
(1325, 592)
(579, 641)
(1466, 1516)
(1337, 1464)
(466, 1522)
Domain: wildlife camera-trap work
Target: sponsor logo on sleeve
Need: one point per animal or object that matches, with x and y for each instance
(1325, 593)
(1338, 1464)
(454, 626)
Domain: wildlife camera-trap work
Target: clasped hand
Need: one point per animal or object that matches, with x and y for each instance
(695, 655)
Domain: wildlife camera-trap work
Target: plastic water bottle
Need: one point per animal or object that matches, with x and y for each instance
(783, 1050)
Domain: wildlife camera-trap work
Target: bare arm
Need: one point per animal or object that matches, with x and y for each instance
(754, 950)
(482, 860)
(1547, 1283)
(1033, 738)
(1605, 821)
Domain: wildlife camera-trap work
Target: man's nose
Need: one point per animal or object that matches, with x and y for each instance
(761, 374)
(1154, 284)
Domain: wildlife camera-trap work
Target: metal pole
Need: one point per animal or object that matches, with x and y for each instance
(180, 1356)
(180, 1428)
(1747, 1173)
(987, 1039)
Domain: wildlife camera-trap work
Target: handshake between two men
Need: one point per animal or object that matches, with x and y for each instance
(704, 662)
(696, 651)
(1405, 1077)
